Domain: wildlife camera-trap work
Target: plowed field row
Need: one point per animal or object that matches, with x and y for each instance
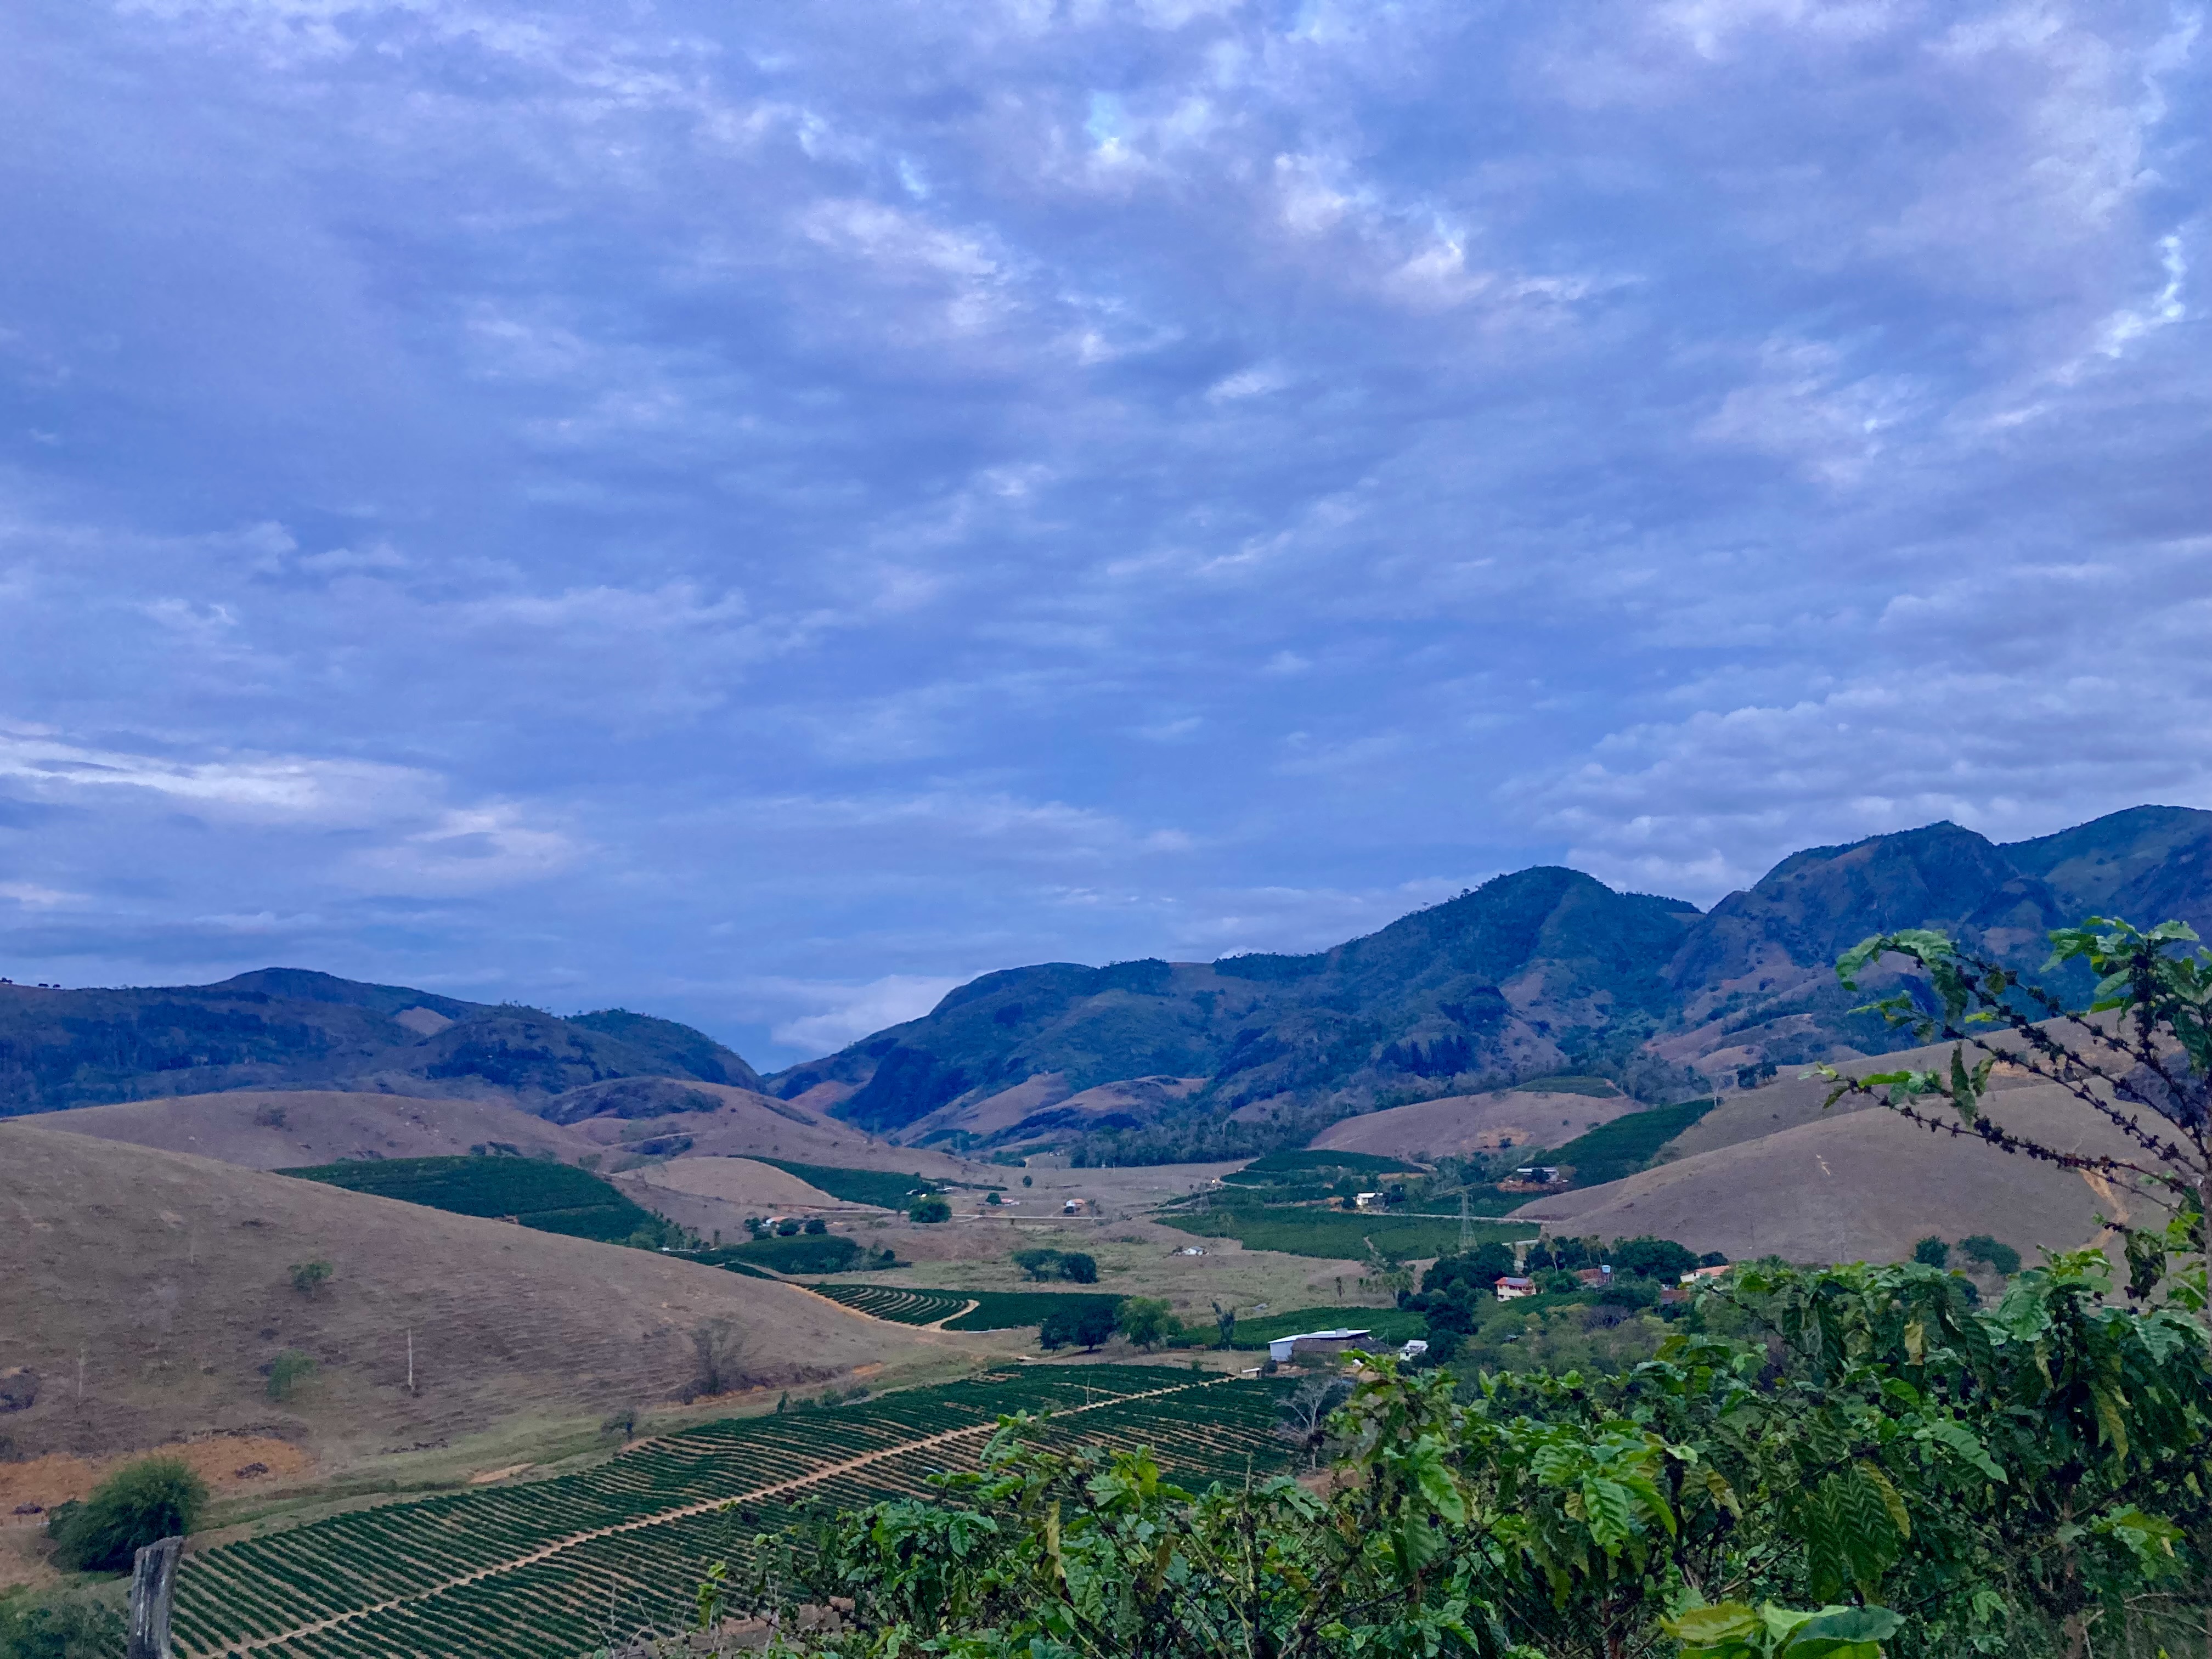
(559, 1566)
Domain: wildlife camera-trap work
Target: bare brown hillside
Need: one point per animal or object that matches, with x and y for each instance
(147, 1292)
(291, 1128)
(1861, 1185)
(749, 1125)
(1459, 1124)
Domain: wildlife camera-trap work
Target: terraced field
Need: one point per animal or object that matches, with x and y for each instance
(987, 1311)
(553, 1569)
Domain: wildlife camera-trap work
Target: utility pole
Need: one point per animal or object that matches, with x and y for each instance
(1466, 1227)
(411, 1359)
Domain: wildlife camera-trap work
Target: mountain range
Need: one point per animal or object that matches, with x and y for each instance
(1545, 972)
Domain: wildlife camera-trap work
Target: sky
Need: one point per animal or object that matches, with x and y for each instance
(761, 513)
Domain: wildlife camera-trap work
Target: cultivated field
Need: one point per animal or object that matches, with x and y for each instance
(558, 1567)
(952, 1311)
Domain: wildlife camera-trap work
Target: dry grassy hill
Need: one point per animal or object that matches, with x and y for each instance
(147, 1292)
(1859, 1185)
(1458, 1124)
(749, 1125)
(292, 1129)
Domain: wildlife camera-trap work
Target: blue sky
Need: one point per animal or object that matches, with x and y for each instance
(759, 513)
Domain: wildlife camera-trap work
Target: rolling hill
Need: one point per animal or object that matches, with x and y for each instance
(281, 1129)
(289, 1027)
(1541, 972)
(149, 1293)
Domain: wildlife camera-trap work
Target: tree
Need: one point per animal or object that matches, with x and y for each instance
(1224, 1326)
(2138, 1059)
(1147, 1321)
(991, 1199)
(1088, 1327)
(70, 1625)
(718, 1345)
(816, 1226)
(152, 1499)
(287, 1371)
(1302, 1415)
(308, 1278)
(1651, 1258)
(929, 1207)
(1078, 1268)
(1038, 1264)
(2000, 1258)
(1932, 1252)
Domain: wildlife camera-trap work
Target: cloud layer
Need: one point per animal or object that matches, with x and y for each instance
(762, 514)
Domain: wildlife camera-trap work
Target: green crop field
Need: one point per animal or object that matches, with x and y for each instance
(1392, 1327)
(1306, 1162)
(1340, 1235)
(898, 1305)
(1596, 1088)
(801, 1253)
(1625, 1145)
(553, 1198)
(995, 1310)
(553, 1569)
(884, 1189)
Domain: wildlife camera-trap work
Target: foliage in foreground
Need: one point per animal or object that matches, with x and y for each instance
(153, 1498)
(1873, 1459)
(75, 1623)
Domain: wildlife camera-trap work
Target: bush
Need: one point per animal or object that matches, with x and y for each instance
(929, 1207)
(2000, 1259)
(309, 1277)
(72, 1625)
(153, 1499)
(287, 1371)
(1078, 1268)
(1932, 1252)
(1038, 1265)
(815, 1226)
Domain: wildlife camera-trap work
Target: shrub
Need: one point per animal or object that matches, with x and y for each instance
(786, 1228)
(1078, 1268)
(287, 1371)
(929, 1207)
(1932, 1252)
(309, 1277)
(2000, 1259)
(815, 1225)
(72, 1625)
(1038, 1264)
(153, 1499)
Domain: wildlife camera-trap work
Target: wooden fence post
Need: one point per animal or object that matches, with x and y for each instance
(153, 1586)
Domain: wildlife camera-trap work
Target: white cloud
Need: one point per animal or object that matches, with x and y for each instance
(847, 1012)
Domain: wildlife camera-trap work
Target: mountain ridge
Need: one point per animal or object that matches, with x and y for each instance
(1539, 971)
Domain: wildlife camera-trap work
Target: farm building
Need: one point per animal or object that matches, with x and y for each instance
(1312, 1345)
(1510, 1287)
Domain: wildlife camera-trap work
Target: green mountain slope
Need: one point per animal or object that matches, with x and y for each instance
(1544, 970)
(290, 1027)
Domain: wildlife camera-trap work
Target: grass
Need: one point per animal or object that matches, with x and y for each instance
(1625, 1145)
(1336, 1235)
(552, 1198)
(1392, 1327)
(885, 1190)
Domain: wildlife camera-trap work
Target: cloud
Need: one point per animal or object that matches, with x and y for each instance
(849, 1012)
(625, 513)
